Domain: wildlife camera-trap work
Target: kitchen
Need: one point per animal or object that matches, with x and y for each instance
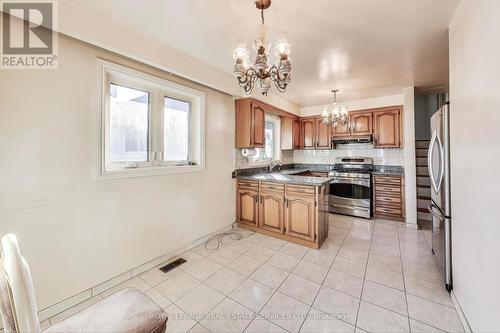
(249, 166)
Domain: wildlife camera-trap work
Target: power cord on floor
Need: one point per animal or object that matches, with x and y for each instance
(218, 239)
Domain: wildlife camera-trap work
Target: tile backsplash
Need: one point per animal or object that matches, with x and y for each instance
(380, 156)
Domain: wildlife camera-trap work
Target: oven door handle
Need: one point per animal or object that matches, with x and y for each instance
(362, 182)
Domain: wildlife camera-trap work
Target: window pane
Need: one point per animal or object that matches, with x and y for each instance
(269, 146)
(175, 130)
(128, 130)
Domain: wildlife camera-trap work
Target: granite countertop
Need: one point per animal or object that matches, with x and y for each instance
(288, 177)
(380, 170)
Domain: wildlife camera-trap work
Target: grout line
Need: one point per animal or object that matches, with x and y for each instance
(404, 282)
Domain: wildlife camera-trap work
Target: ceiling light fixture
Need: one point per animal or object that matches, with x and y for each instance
(247, 75)
(334, 114)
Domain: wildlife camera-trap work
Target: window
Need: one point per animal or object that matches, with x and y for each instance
(271, 150)
(149, 126)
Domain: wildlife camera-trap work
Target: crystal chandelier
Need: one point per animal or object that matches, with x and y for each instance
(334, 114)
(261, 73)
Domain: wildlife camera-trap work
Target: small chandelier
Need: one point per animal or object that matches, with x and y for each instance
(334, 114)
(279, 73)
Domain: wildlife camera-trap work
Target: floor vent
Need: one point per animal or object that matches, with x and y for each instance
(170, 266)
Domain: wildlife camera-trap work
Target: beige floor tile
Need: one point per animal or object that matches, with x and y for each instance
(224, 256)
(331, 246)
(419, 327)
(261, 325)
(178, 321)
(339, 304)
(252, 294)
(387, 262)
(434, 314)
(353, 254)
(344, 282)
(285, 312)
(256, 238)
(260, 253)
(310, 271)
(225, 280)
(177, 286)
(158, 298)
(244, 265)
(318, 257)
(424, 272)
(300, 288)
(203, 251)
(373, 318)
(190, 257)
(432, 291)
(385, 277)
(135, 282)
(270, 276)
(74, 309)
(384, 249)
(203, 269)
(272, 243)
(199, 301)
(294, 250)
(199, 328)
(349, 266)
(240, 246)
(318, 321)
(228, 317)
(389, 298)
(283, 261)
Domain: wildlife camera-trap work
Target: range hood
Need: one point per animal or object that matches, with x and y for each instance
(352, 139)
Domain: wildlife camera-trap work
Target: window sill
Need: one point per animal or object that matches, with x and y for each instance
(148, 172)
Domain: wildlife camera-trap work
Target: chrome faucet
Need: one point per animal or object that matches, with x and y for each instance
(272, 164)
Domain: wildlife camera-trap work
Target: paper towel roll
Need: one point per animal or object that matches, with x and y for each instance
(248, 152)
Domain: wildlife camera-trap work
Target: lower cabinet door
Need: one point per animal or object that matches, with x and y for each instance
(300, 216)
(247, 207)
(271, 211)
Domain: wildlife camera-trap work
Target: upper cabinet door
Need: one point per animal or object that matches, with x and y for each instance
(387, 128)
(342, 129)
(296, 133)
(323, 135)
(258, 123)
(361, 123)
(307, 133)
(287, 133)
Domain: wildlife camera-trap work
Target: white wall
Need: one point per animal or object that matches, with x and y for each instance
(77, 232)
(475, 160)
(409, 156)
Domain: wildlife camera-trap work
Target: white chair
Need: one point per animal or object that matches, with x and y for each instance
(127, 310)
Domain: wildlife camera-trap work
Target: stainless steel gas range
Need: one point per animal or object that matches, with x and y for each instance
(350, 188)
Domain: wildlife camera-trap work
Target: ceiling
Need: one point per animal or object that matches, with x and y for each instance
(365, 48)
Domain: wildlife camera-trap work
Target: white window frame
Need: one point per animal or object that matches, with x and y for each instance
(158, 89)
(276, 139)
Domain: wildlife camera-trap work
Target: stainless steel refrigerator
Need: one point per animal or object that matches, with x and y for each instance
(440, 208)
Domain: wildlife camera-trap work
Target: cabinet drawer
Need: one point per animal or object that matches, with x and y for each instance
(300, 189)
(381, 199)
(272, 186)
(387, 188)
(388, 210)
(248, 183)
(388, 180)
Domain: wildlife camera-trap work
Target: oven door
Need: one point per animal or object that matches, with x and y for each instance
(350, 196)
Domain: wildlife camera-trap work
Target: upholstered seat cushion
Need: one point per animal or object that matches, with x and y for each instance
(127, 310)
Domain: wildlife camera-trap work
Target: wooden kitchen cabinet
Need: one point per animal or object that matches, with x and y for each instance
(387, 128)
(361, 123)
(247, 203)
(250, 122)
(300, 215)
(308, 133)
(323, 134)
(388, 196)
(271, 207)
(290, 133)
(342, 129)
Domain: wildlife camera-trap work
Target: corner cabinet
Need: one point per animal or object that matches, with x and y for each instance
(387, 132)
(291, 212)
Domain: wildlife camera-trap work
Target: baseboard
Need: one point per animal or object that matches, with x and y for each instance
(460, 312)
(63, 305)
(413, 226)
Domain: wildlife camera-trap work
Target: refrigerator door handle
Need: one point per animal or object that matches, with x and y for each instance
(439, 215)
(435, 142)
